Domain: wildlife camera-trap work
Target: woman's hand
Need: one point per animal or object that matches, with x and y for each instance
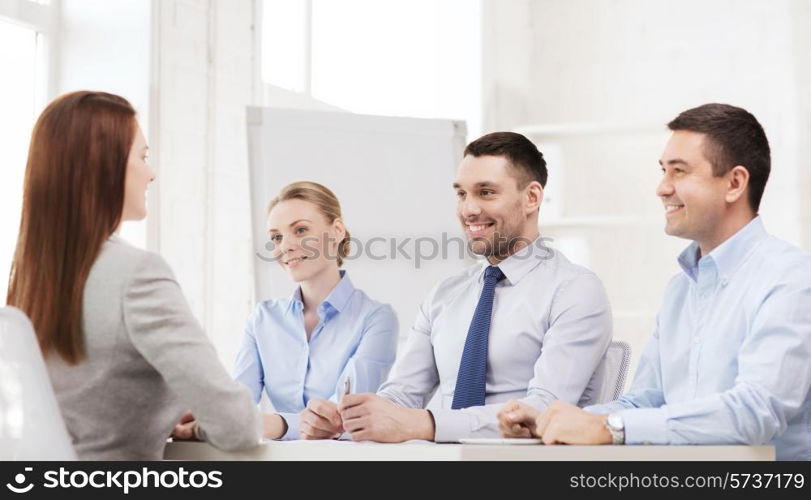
(320, 420)
(273, 426)
(184, 429)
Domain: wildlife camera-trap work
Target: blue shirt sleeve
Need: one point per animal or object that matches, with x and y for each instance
(758, 406)
(368, 365)
(291, 419)
(372, 360)
(646, 389)
(248, 367)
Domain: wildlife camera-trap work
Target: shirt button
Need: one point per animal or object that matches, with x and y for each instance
(696, 339)
(724, 281)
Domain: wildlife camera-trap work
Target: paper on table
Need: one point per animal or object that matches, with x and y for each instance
(341, 441)
(500, 441)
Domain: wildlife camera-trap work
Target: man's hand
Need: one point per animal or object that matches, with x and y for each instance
(369, 417)
(184, 429)
(517, 420)
(320, 420)
(563, 423)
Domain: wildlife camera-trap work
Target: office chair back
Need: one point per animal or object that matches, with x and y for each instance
(616, 365)
(31, 426)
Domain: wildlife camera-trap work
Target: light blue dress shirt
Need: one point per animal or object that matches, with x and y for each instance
(356, 337)
(730, 359)
(549, 331)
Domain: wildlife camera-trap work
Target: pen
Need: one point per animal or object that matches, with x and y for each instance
(347, 389)
(347, 386)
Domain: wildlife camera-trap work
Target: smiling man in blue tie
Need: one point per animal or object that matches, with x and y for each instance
(525, 323)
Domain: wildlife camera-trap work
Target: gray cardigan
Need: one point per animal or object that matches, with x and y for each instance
(147, 361)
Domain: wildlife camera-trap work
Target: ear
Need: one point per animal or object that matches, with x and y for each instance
(533, 196)
(738, 182)
(340, 229)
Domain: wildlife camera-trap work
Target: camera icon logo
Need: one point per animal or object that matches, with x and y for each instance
(20, 479)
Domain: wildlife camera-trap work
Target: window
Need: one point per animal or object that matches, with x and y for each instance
(419, 58)
(22, 93)
(285, 44)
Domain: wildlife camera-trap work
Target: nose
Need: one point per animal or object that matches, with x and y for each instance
(665, 188)
(287, 246)
(469, 208)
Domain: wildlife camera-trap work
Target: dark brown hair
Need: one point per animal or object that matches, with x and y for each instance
(72, 202)
(520, 151)
(734, 137)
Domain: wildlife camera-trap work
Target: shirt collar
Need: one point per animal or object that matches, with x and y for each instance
(728, 255)
(519, 264)
(337, 299)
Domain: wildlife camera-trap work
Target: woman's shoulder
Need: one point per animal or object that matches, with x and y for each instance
(368, 306)
(121, 261)
(272, 304)
(375, 315)
(270, 308)
(268, 316)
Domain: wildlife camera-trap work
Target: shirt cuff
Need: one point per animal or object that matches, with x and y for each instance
(645, 425)
(198, 432)
(451, 426)
(292, 426)
(605, 409)
(596, 409)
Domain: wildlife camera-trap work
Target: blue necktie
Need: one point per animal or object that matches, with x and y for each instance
(472, 377)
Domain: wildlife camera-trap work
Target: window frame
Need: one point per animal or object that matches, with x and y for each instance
(42, 19)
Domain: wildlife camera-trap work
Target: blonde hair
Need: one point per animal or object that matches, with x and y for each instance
(321, 197)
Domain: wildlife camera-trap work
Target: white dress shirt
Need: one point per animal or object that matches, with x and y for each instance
(550, 328)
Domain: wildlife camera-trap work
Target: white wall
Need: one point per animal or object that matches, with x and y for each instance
(105, 45)
(633, 65)
(415, 58)
(204, 75)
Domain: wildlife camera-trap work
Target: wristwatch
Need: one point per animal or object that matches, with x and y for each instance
(616, 427)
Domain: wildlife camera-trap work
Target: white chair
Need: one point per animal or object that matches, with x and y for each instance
(31, 426)
(614, 371)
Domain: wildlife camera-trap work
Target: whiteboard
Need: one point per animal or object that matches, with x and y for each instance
(394, 179)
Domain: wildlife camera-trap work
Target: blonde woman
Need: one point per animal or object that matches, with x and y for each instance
(300, 350)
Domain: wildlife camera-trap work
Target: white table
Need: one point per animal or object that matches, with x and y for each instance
(422, 450)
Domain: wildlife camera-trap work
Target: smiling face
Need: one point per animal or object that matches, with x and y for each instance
(695, 200)
(305, 243)
(493, 211)
(139, 175)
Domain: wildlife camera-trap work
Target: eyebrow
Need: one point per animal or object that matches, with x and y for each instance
(484, 184)
(675, 161)
(290, 225)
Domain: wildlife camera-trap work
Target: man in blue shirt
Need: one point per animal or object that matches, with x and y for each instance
(730, 358)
